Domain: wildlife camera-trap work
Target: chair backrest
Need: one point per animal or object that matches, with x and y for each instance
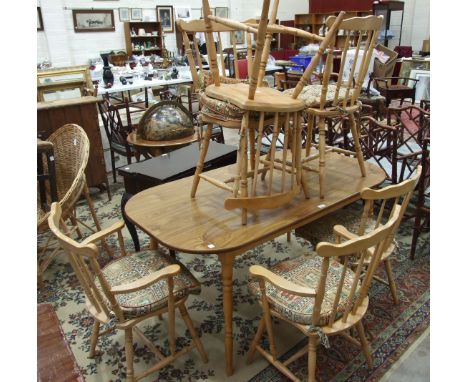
(262, 41)
(117, 119)
(83, 259)
(356, 277)
(360, 35)
(71, 153)
(390, 198)
(193, 53)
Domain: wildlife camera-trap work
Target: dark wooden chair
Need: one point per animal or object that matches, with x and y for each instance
(119, 119)
(405, 87)
(47, 185)
(423, 202)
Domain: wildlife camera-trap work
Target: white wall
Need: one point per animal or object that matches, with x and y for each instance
(60, 44)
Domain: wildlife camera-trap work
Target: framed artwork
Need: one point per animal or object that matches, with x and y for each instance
(196, 13)
(423, 90)
(183, 13)
(40, 24)
(137, 13)
(240, 37)
(222, 12)
(165, 15)
(93, 20)
(124, 14)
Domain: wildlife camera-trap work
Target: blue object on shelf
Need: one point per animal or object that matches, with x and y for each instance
(301, 60)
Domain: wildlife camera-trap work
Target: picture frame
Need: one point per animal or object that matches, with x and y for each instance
(40, 23)
(165, 15)
(222, 12)
(124, 14)
(93, 20)
(423, 85)
(196, 13)
(136, 13)
(184, 13)
(240, 37)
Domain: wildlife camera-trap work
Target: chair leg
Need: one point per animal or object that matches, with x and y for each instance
(252, 147)
(416, 231)
(74, 223)
(256, 341)
(94, 339)
(193, 333)
(129, 354)
(201, 159)
(357, 144)
(364, 344)
(322, 157)
(114, 173)
(312, 358)
(391, 280)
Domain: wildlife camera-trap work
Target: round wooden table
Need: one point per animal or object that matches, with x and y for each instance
(157, 148)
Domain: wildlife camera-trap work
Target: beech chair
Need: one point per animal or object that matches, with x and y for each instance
(71, 153)
(386, 199)
(321, 294)
(328, 100)
(129, 290)
(257, 105)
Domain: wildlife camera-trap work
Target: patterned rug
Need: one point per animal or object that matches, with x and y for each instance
(392, 328)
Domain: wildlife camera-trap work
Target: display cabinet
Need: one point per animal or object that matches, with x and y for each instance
(143, 38)
(392, 12)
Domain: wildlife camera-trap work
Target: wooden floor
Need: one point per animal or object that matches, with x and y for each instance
(55, 360)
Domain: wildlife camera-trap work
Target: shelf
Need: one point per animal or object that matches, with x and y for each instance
(145, 36)
(146, 50)
(149, 27)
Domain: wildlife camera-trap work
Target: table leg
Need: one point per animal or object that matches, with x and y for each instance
(130, 226)
(227, 261)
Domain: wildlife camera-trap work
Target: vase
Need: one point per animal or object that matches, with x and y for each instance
(107, 75)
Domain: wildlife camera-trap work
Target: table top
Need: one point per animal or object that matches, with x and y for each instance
(203, 225)
(139, 83)
(179, 161)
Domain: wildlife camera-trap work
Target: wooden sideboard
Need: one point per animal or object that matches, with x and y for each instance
(82, 111)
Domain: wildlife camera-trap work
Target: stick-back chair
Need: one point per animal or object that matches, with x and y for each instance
(71, 153)
(323, 294)
(378, 206)
(119, 120)
(338, 98)
(257, 104)
(130, 289)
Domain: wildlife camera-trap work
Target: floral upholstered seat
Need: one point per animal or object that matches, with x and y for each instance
(305, 271)
(131, 268)
(311, 94)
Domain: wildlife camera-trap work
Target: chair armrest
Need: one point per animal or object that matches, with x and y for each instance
(281, 283)
(379, 124)
(103, 233)
(144, 282)
(341, 231)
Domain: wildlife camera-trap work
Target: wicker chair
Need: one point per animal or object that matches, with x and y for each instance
(71, 152)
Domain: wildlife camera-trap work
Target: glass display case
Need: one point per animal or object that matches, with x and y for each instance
(392, 12)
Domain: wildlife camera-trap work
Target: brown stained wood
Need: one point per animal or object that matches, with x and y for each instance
(55, 360)
(260, 202)
(203, 225)
(266, 99)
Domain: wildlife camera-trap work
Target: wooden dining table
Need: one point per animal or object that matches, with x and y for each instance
(203, 226)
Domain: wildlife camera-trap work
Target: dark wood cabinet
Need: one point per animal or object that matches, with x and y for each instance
(82, 111)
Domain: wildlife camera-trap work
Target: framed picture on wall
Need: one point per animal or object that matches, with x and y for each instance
(184, 13)
(240, 37)
(165, 15)
(222, 12)
(137, 14)
(93, 20)
(124, 14)
(40, 24)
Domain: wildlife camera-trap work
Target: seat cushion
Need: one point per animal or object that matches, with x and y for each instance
(218, 109)
(310, 94)
(305, 271)
(133, 267)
